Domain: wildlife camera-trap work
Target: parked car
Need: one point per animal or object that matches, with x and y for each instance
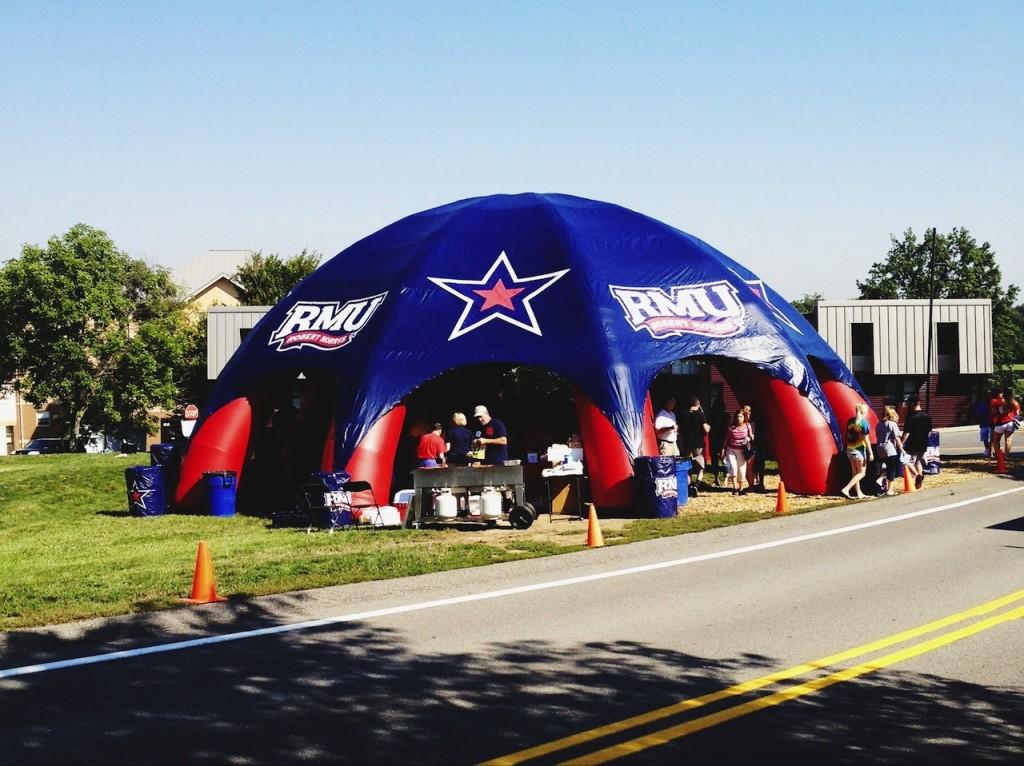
(43, 447)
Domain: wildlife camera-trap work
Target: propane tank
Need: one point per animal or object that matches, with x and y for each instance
(490, 503)
(445, 506)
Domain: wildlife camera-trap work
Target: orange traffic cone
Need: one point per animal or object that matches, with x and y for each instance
(594, 537)
(204, 589)
(781, 501)
(908, 480)
(1000, 461)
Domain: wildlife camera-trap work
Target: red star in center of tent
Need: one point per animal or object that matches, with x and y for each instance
(499, 295)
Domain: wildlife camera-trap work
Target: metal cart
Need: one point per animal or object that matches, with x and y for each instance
(464, 480)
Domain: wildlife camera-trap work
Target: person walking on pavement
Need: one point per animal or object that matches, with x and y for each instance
(915, 437)
(1009, 421)
(859, 453)
(888, 436)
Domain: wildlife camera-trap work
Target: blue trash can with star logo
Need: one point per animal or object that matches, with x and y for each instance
(146, 495)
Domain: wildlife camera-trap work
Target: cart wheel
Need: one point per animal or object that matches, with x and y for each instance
(522, 516)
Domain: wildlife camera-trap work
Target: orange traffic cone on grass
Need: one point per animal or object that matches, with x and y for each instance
(594, 537)
(204, 589)
(908, 480)
(781, 501)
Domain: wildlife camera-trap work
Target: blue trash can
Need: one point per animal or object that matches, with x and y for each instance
(656, 488)
(220, 492)
(166, 454)
(160, 454)
(145, 484)
(683, 466)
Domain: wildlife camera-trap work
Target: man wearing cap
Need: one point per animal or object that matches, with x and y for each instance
(491, 435)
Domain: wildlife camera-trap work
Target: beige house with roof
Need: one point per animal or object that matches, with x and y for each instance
(211, 278)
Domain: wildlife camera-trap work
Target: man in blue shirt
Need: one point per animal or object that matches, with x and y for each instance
(491, 435)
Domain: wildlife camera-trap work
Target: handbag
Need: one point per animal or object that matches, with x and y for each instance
(749, 450)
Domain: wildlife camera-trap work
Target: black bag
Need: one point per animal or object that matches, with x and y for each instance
(874, 482)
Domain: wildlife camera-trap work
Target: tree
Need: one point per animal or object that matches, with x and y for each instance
(104, 335)
(266, 279)
(807, 303)
(963, 269)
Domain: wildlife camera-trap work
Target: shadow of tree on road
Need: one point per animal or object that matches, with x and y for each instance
(358, 693)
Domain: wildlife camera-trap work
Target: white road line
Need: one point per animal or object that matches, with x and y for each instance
(501, 593)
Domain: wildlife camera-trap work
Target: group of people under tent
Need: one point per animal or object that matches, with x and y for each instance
(487, 443)
(730, 443)
(735, 443)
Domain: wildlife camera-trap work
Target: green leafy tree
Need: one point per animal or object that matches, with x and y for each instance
(962, 269)
(266, 279)
(807, 303)
(104, 335)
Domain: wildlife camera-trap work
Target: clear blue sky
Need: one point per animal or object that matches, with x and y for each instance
(793, 136)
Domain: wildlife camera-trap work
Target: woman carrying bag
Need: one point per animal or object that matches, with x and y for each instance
(738, 446)
(888, 436)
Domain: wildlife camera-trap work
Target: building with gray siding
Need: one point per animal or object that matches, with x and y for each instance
(885, 344)
(226, 328)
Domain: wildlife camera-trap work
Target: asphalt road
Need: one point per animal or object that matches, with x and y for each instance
(712, 648)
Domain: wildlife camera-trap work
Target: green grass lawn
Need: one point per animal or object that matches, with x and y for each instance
(69, 550)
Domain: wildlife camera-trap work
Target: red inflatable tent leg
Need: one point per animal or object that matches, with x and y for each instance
(843, 399)
(220, 445)
(374, 458)
(650, 435)
(799, 435)
(611, 473)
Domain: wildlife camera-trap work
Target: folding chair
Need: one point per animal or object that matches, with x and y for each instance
(327, 501)
(354, 486)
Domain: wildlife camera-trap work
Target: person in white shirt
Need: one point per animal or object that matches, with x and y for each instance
(666, 429)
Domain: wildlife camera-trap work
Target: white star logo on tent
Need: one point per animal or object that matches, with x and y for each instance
(500, 294)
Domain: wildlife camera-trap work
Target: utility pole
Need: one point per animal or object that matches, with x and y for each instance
(931, 301)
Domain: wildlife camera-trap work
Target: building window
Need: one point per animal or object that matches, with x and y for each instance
(862, 347)
(42, 417)
(947, 346)
(898, 390)
(9, 439)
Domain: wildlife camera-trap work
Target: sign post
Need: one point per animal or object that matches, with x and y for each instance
(188, 420)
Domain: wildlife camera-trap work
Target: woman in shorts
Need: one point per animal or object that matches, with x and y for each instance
(858, 452)
(1007, 422)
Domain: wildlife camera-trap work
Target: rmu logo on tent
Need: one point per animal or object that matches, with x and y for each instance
(712, 309)
(324, 325)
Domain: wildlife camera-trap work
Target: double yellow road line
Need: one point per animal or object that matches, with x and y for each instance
(671, 733)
